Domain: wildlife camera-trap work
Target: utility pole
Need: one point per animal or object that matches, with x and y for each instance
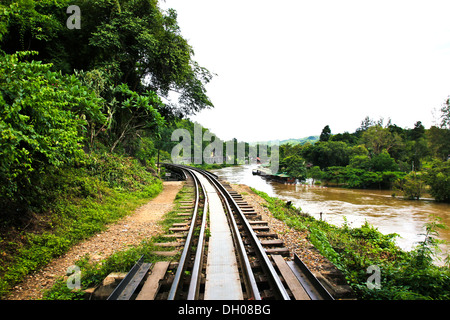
(158, 165)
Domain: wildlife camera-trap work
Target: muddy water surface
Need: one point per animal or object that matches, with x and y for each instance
(390, 215)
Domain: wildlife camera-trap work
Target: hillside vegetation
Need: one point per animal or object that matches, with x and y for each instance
(359, 251)
(83, 113)
(379, 156)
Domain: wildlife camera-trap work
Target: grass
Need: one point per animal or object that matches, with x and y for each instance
(404, 275)
(92, 274)
(71, 205)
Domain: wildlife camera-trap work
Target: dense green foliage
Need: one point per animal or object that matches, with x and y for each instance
(294, 166)
(72, 204)
(128, 54)
(326, 134)
(83, 113)
(43, 118)
(413, 161)
(404, 275)
(132, 41)
(95, 88)
(438, 178)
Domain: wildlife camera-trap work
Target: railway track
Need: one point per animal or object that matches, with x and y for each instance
(228, 253)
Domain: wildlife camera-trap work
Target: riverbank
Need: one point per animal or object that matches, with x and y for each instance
(354, 207)
(295, 240)
(401, 275)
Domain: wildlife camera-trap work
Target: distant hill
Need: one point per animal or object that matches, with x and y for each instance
(302, 141)
(310, 139)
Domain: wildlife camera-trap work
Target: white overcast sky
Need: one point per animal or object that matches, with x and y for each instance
(287, 68)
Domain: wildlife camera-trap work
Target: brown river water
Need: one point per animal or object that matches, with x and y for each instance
(390, 215)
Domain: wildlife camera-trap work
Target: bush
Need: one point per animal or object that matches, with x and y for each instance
(383, 162)
(438, 178)
(43, 116)
(412, 185)
(361, 178)
(76, 203)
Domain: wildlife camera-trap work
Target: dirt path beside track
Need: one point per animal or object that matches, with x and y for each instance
(129, 231)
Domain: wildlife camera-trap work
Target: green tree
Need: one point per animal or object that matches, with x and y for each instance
(359, 150)
(438, 178)
(30, 25)
(439, 142)
(44, 117)
(417, 132)
(315, 173)
(378, 162)
(360, 162)
(133, 40)
(377, 139)
(326, 133)
(412, 185)
(422, 255)
(366, 124)
(295, 166)
(133, 113)
(350, 139)
(289, 149)
(383, 162)
(445, 115)
(415, 151)
(327, 154)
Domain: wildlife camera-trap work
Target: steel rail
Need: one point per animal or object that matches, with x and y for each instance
(312, 285)
(128, 285)
(247, 273)
(309, 281)
(266, 264)
(188, 244)
(194, 286)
